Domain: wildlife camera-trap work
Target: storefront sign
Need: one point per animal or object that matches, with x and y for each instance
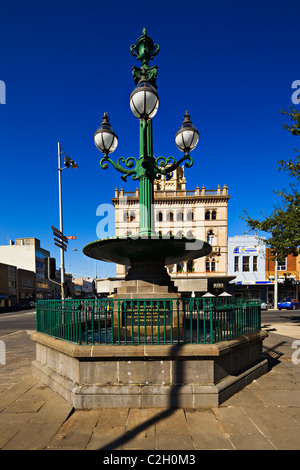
(246, 249)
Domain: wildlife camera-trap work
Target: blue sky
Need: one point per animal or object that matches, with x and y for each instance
(65, 63)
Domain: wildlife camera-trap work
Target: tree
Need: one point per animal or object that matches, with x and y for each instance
(283, 224)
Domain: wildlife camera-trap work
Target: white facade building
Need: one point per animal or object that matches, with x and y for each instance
(247, 262)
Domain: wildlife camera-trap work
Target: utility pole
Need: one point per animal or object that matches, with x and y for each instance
(60, 233)
(62, 256)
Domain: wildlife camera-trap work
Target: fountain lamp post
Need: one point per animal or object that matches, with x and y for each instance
(144, 104)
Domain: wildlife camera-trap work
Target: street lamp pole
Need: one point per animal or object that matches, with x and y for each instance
(68, 163)
(62, 257)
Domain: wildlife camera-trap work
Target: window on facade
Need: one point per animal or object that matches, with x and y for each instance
(130, 216)
(236, 264)
(190, 266)
(210, 238)
(190, 215)
(179, 267)
(210, 266)
(190, 234)
(159, 217)
(246, 263)
(27, 281)
(39, 264)
(213, 215)
(282, 265)
(170, 216)
(207, 215)
(179, 216)
(254, 263)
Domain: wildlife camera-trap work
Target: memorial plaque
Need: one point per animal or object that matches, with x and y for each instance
(146, 313)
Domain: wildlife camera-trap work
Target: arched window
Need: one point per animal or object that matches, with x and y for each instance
(207, 215)
(213, 215)
(190, 215)
(190, 234)
(170, 216)
(180, 216)
(159, 217)
(210, 238)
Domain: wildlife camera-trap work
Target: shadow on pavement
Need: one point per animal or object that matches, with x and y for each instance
(272, 354)
(172, 405)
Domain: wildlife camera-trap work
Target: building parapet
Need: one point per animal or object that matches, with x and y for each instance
(176, 193)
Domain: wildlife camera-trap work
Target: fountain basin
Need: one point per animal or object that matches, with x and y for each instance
(163, 250)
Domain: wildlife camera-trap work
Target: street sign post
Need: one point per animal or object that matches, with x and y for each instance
(61, 241)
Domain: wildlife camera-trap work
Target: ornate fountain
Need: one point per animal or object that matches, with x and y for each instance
(138, 366)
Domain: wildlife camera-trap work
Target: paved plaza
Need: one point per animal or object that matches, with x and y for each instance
(265, 415)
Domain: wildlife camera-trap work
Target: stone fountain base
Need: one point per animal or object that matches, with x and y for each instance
(143, 376)
(148, 375)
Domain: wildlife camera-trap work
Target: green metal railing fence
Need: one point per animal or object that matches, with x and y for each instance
(145, 321)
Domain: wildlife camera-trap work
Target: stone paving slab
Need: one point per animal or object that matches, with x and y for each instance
(265, 415)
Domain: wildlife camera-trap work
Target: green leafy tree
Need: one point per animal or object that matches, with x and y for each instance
(283, 224)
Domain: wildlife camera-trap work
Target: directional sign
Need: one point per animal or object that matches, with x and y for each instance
(57, 233)
(71, 237)
(60, 242)
(61, 246)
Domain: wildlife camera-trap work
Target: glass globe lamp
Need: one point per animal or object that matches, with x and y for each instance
(105, 138)
(187, 137)
(144, 100)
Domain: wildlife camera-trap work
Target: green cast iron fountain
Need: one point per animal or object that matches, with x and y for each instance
(148, 253)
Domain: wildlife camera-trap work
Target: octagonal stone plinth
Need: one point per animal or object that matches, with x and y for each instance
(141, 376)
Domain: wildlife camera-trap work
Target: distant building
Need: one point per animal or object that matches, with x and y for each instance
(17, 286)
(247, 263)
(27, 254)
(288, 275)
(26, 285)
(200, 213)
(84, 287)
(69, 286)
(8, 286)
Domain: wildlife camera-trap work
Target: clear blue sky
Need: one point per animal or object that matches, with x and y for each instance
(64, 63)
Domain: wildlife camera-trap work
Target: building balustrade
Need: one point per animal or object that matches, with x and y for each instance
(176, 193)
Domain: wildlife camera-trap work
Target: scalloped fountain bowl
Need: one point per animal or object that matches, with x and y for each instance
(147, 256)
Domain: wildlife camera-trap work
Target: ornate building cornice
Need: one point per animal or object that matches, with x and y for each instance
(181, 200)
